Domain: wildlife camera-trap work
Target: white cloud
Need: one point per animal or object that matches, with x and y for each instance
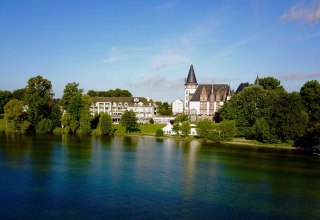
(292, 76)
(168, 58)
(164, 6)
(302, 12)
(156, 81)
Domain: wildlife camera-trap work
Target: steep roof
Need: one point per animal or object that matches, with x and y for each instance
(191, 76)
(222, 89)
(242, 86)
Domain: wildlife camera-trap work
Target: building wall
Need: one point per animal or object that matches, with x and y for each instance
(177, 106)
(115, 110)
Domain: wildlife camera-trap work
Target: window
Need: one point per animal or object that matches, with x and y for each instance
(125, 104)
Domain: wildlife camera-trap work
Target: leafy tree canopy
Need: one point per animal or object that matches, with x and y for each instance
(129, 121)
(110, 93)
(270, 83)
(5, 97)
(71, 90)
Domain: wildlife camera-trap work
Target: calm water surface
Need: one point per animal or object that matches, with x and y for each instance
(53, 177)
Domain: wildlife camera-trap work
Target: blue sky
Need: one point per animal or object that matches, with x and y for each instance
(147, 46)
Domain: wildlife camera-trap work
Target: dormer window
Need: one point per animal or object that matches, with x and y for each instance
(140, 104)
(136, 100)
(125, 104)
(114, 104)
(119, 104)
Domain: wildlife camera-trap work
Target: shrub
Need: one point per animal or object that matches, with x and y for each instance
(151, 121)
(45, 126)
(58, 131)
(159, 133)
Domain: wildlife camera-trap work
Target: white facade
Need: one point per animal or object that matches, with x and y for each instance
(116, 106)
(177, 107)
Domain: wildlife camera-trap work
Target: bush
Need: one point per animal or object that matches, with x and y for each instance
(227, 130)
(58, 131)
(45, 126)
(24, 127)
(159, 133)
(151, 121)
(96, 132)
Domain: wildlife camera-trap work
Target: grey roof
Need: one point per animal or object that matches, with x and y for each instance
(191, 76)
(129, 100)
(223, 89)
(242, 86)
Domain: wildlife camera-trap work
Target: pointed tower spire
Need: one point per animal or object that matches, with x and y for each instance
(256, 82)
(191, 76)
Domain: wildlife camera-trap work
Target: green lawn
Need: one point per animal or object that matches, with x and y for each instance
(148, 129)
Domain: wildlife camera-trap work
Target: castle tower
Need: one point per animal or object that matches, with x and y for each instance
(190, 87)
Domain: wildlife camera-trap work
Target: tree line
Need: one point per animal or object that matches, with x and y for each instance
(269, 114)
(34, 110)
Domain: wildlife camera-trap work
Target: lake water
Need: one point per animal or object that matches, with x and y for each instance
(53, 177)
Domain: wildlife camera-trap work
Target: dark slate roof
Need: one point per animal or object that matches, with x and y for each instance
(242, 86)
(129, 100)
(223, 89)
(191, 76)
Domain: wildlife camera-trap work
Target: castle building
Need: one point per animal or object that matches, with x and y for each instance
(204, 99)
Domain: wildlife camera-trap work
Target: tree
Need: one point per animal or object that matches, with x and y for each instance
(92, 93)
(310, 93)
(262, 131)
(19, 94)
(185, 128)
(159, 133)
(270, 83)
(105, 124)
(5, 97)
(288, 118)
(45, 126)
(39, 99)
(70, 91)
(204, 129)
(164, 108)
(15, 117)
(40, 86)
(176, 128)
(181, 118)
(227, 130)
(85, 118)
(110, 93)
(129, 121)
(75, 106)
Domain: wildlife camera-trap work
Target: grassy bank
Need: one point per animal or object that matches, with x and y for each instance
(257, 143)
(147, 129)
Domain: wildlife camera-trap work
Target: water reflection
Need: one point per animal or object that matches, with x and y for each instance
(142, 177)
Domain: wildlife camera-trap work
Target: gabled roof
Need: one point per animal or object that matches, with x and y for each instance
(242, 86)
(191, 76)
(215, 88)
